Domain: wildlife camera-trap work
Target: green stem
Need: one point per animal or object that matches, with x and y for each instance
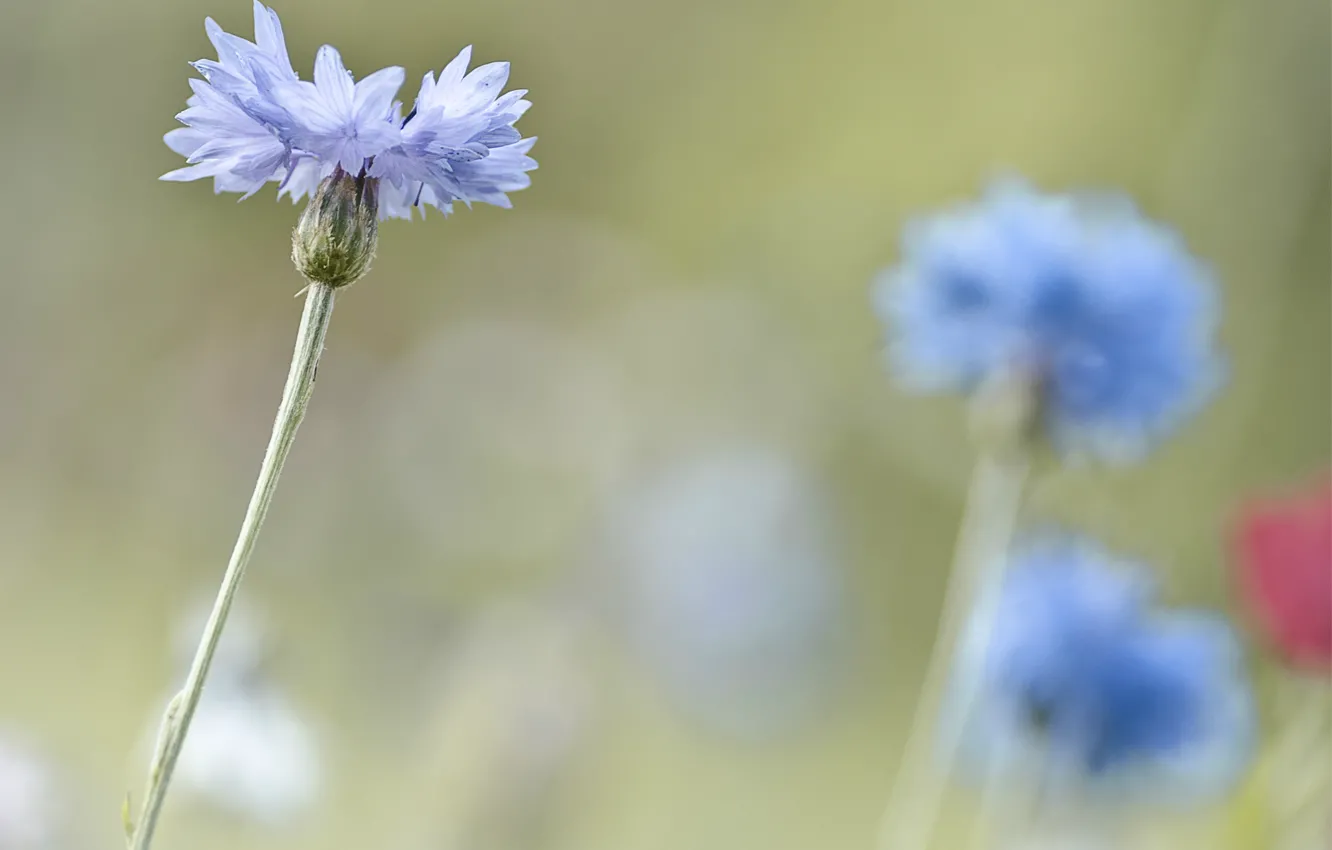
(1005, 800)
(991, 514)
(295, 398)
(1299, 780)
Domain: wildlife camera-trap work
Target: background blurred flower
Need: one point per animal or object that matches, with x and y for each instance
(1086, 690)
(1283, 554)
(1213, 114)
(1283, 559)
(27, 816)
(249, 754)
(730, 590)
(1104, 309)
(242, 652)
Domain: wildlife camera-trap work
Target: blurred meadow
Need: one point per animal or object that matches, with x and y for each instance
(607, 529)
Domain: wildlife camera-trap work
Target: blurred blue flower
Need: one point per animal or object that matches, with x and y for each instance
(730, 589)
(1105, 310)
(251, 120)
(1080, 683)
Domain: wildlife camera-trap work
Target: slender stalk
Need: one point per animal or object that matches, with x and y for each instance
(1299, 778)
(993, 502)
(1006, 801)
(295, 398)
(1022, 808)
(1081, 831)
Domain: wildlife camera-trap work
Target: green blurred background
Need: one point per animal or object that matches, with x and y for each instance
(688, 273)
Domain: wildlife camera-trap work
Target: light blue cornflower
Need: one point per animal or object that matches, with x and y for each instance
(1103, 310)
(1083, 685)
(729, 587)
(252, 120)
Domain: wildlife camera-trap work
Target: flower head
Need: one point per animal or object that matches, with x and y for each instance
(252, 120)
(1284, 559)
(1104, 312)
(1082, 683)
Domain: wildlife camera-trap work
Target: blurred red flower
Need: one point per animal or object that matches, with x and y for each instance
(1284, 555)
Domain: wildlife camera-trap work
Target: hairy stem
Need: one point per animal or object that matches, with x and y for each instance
(295, 398)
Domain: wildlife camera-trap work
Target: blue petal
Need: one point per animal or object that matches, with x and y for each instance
(1108, 311)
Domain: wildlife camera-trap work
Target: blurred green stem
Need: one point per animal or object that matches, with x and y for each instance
(1001, 420)
(1299, 776)
(295, 398)
(1005, 800)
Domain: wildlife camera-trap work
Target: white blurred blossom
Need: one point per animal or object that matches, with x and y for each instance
(249, 752)
(241, 651)
(730, 590)
(251, 755)
(27, 816)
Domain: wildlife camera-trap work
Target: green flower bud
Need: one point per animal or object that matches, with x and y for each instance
(335, 239)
